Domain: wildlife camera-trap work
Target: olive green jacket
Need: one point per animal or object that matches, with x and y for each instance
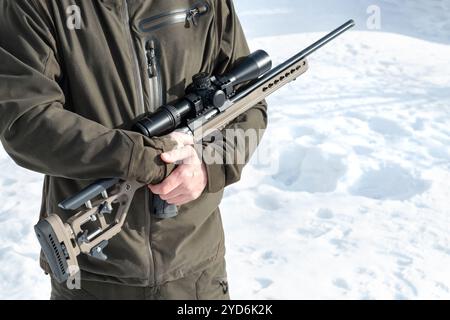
(69, 90)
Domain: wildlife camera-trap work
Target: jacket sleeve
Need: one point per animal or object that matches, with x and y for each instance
(36, 130)
(234, 150)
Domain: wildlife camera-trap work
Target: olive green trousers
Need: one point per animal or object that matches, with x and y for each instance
(208, 284)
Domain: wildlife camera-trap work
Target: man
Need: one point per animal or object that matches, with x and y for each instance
(74, 75)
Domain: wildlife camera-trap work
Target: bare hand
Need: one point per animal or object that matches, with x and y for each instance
(188, 181)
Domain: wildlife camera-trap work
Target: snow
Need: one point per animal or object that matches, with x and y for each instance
(419, 18)
(349, 198)
(20, 192)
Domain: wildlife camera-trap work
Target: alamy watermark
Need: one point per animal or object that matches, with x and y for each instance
(73, 21)
(74, 280)
(237, 147)
(374, 20)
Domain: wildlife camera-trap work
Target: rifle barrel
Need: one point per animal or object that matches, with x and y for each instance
(294, 60)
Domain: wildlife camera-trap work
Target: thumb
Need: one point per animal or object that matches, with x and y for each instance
(182, 138)
(178, 154)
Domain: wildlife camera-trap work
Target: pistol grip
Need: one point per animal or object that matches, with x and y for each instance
(162, 210)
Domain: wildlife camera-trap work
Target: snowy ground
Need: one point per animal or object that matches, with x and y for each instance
(355, 202)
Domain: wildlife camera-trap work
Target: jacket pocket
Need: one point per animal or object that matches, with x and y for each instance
(188, 16)
(177, 42)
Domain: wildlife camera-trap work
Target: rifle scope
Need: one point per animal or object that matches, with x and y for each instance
(204, 92)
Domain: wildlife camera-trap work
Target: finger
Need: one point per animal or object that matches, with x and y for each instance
(182, 138)
(169, 184)
(178, 191)
(184, 178)
(178, 154)
(181, 200)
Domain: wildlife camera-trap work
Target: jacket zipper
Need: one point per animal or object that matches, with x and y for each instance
(138, 83)
(156, 95)
(189, 16)
(155, 100)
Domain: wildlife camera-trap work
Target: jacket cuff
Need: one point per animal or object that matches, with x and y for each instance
(146, 165)
(164, 144)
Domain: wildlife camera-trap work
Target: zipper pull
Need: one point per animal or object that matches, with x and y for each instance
(192, 15)
(191, 18)
(151, 58)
